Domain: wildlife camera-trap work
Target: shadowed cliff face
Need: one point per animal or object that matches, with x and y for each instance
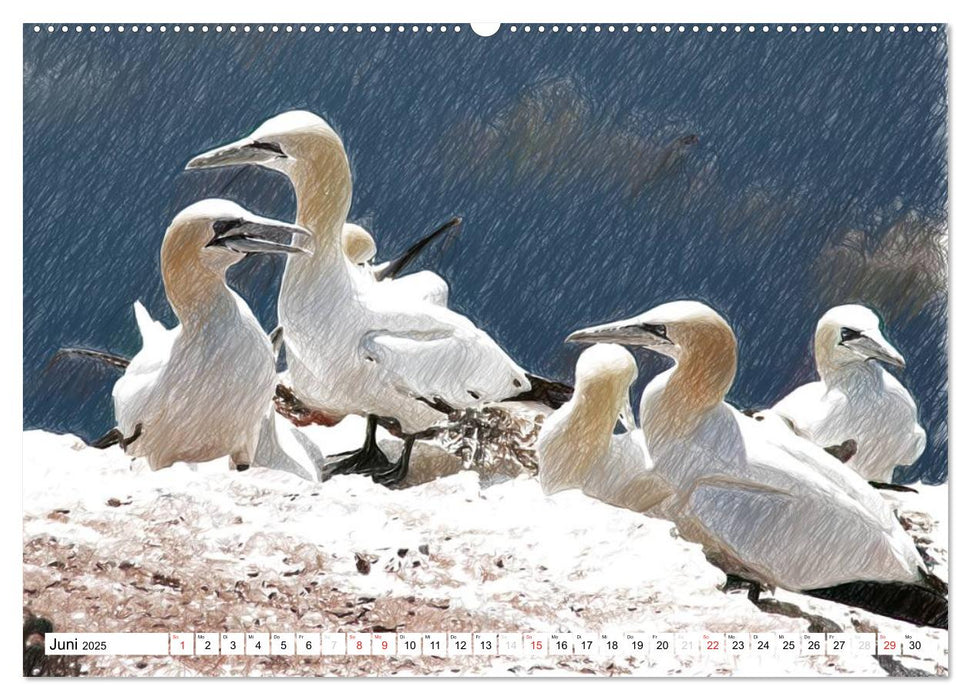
(596, 176)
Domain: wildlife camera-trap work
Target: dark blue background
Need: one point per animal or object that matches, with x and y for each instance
(555, 149)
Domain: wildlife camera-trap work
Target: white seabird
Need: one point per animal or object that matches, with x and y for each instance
(766, 504)
(577, 447)
(856, 398)
(360, 249)
(201, 390)
(358, 244)
(355, 346)
(279, 445)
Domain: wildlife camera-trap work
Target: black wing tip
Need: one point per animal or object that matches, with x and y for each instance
(116, 361)
(917, 603)
(396, 265)
(545, 391)
(883, 486)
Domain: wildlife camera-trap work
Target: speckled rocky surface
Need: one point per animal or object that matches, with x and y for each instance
(110, 546)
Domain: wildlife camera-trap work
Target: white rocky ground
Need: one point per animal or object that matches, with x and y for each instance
(111, 546)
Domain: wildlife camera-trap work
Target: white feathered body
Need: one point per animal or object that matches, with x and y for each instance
(199, 393)
(771, 506)
(577, 453)
(864, 403)
(424, 285)
(359, 346)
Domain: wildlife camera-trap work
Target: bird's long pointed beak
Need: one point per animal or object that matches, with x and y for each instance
(626, 332)
(876, 347)
(237, 153)
(263, 236)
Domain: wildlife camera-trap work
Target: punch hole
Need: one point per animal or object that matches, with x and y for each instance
(485, 28)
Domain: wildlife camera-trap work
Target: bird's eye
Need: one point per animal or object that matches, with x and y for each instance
(658, 329)
(267, 146)
(849, 334)
(221, 226)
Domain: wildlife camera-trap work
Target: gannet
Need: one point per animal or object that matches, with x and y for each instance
(355, 346)
(280, 445)
(855, 397)
(577, 447)
(201, 390)
(764, 503)
(358, 244)
(360, 249)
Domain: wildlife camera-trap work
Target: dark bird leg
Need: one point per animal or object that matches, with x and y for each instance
(116, 437)
(369, 459)
(112, 437)
(399, 470)
(735, 582)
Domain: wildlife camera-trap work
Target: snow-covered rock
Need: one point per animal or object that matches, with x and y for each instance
(112, 546)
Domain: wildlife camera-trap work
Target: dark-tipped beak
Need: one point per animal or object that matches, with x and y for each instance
(877, 347)
(262, 236)
(240, 152)
(627, 332)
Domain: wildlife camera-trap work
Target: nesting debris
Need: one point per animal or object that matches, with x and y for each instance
(289, 406)
(498, 440)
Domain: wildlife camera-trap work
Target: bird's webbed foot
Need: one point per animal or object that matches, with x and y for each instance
(368, 459)
(395, 473)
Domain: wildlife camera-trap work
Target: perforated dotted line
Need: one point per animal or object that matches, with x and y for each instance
(718, 28)
(513, 28)
(250, 28)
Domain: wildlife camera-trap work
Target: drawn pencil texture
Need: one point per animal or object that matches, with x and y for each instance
(377, 384)
(742, 486)
(856, 398)
(199, 391)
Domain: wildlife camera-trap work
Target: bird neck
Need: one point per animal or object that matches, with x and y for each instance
(698, 383)
(587, 430)
(836, 364)
(195, 291)
(855, 371)
(322, 185)
(595, 413)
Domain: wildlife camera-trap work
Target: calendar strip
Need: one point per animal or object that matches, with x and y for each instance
(657, 645)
